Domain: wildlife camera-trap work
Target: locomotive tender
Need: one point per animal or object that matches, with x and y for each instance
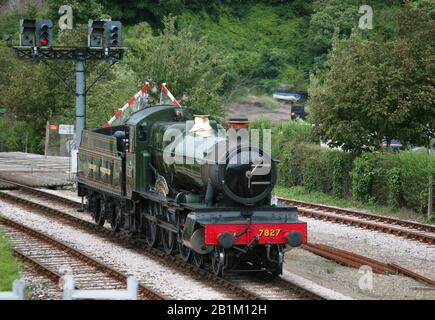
(181, 192)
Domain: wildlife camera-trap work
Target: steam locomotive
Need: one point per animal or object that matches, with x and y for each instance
(171, 177)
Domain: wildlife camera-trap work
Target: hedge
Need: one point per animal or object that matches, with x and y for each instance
(315, 169)
(392, 179)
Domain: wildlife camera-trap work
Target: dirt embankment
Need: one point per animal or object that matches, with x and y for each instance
(256, 110)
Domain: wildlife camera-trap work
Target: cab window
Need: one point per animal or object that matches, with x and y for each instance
(142, 134)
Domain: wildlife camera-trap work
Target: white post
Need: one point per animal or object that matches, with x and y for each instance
(70, 293)
(17, 292)
(68, 287)
(132, 286)
(18, 288)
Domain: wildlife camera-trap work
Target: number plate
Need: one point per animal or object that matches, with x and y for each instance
(269, 232)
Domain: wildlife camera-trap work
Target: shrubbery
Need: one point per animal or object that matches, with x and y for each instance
(393, 179)
(20, 136)
(316, 169)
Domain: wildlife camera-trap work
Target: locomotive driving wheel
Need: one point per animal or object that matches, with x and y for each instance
(169, 238)
(99, 212)
(218, 259)
(185, 252)
(115, 221)
(169, 241)
(152, 231)
(198, 260)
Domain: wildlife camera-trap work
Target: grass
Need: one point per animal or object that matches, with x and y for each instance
(9, 266)
(299, 193)
(330, 267)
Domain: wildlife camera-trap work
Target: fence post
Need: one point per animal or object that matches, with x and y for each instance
(18, 289)
(430, 198)
(132, 286)
(68, 287)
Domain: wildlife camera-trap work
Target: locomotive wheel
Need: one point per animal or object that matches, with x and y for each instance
(218, 261)
(99, 213)
(152, 231)
(198, 260)
(169, 241)
(115, 221)
(278, 256)
(185, 252)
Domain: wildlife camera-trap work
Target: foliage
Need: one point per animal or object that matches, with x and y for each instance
(190, 70)
(82, 10)
(20, 136)
(249, 57)
(375, 90)
(315, 168)
(390, 179)
(261, 123)
(330, 17)
(336, 19)
(9, 266)
(415, 169)
(362, 178)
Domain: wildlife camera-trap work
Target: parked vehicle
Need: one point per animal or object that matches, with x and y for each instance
(298, 112)
(395, 145)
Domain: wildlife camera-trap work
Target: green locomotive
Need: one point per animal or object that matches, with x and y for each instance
(163, 176)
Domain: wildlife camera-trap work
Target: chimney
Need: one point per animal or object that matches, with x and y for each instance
(238, 123)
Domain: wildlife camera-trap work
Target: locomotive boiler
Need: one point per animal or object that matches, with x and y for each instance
(180, 181)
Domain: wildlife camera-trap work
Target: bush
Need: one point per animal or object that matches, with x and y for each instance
(315, 168)
(415, 170)
(20, 136)
(392, 179)
(362, 178)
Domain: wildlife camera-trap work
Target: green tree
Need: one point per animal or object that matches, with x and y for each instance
(374, 89)
(189, 68)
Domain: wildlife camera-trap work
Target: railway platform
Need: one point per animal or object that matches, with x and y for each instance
(35, 170)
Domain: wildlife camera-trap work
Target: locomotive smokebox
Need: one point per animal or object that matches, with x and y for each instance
(245, 174)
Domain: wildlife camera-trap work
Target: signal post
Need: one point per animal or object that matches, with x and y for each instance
(104, 43)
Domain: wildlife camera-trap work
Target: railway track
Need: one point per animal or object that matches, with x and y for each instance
(403, 228)
(247, 289)
(354, 260)
(52, 258)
